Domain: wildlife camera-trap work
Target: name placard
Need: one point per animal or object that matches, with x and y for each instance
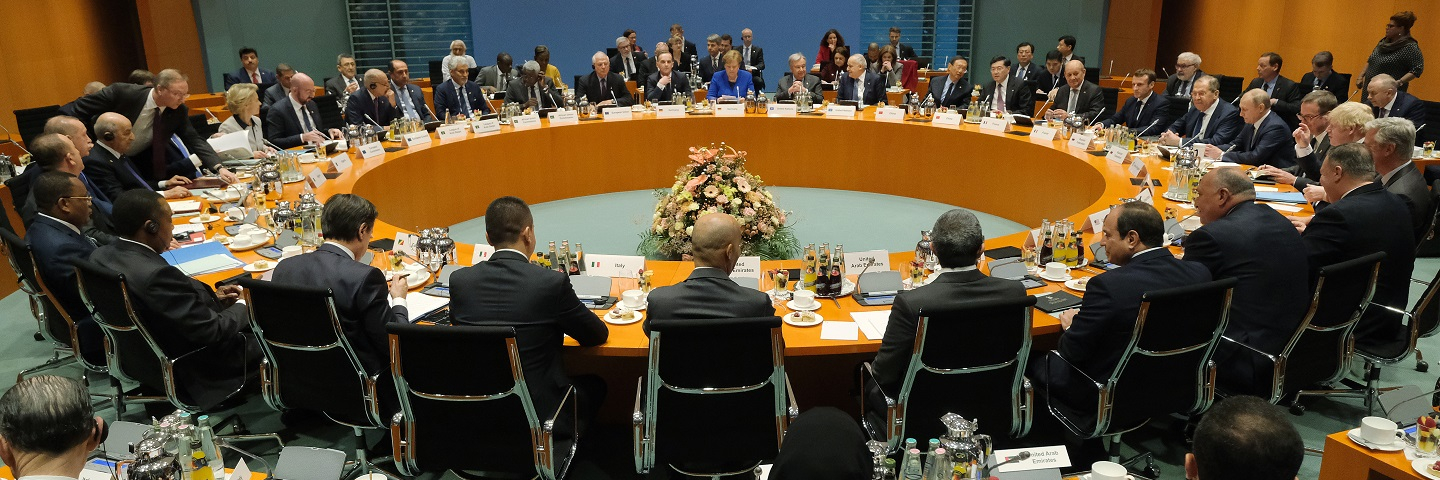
(670, 111)
(341, 163)
(405, 243)
(451, 132)
(564, 117)
(1097, 220)
(616, 113)
(747, 267)
(482, 253)
(1136, 167)
(371, 150)
(485, 126)
(1146, 196)
(1081, 140)
(416, 138)
(876, 260)
(948, 118)
(617, 266)
(526, 122)
(1040, 458)
(840, 111)
(316, 177)
(1042, 134)
(781, 110)
(729, 110)
(890, 114)
(994, 124)
(1116, 154)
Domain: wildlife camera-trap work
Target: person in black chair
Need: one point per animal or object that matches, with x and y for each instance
(376, 106)
(799, 82)
(1146, 111)
(1285, 94)
(859, 84)
(709, 292)
(601, 87)
(250, 71)
(1256, 245)
(54, 238)
(112, 171)
(1077, 96)
(953, 91)
(48, 428)
(182, 313)
(1264, 140)
(409, 101)
(539, 303)
(1391, 141)
(534, 90)
(1312, 140)
(1210, 121)
(1053, 77)
(295, 120)
(459, 96)
(1245, 437)
(1387, 100)
(1322, 76)
(55, 153)
(666, 82)
(1007, 94)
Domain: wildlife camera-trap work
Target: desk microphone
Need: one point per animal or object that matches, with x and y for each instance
(432, 111)
(614, 98)
(1417, 129)
(1152, 124)
(1111, 72)
(212, 115)
(1020, 457)
(1127, 77)
(367, 117)
(986, 101)
(1166, 72)
(10, 138)
(1188, 142)
(1236, 101)
(1097, 117)
(1352, 95)
(1043, 106)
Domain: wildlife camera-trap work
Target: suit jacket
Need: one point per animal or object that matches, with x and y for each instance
(1405, 106)
(1334, 83)
(1017, 96)
(1172, 84)
(128, 99)
(1028, 73)
(285, 127)
(812, 84)
(1224, 125)
(959, 96)
(112, 175)
(100, 227)
(707, 293)
(589, 86)
(242, 76)
(540, 304)
(1409, 183)
(54, 245)
(336, 85)
(550, 96)
(618, 68)
(757, 60)
(905, 52)
(678, 83)
(1287, 95)
(709, 66)
(273, 94)
(948, 289)
(1367, 220)
(1307, 168)
(184, 316)
(1088, 104)
(412, 97)
(874, 88)
(1271, 144)
(1152, 118)
(362, 299)
(447, 100)
(360, 105)
(490, 77)
(1045, 81)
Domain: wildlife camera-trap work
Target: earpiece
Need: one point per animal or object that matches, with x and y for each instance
(110, 136)
(102, 430)
(151, 227)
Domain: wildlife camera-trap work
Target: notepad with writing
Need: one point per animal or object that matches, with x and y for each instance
(1056, 301)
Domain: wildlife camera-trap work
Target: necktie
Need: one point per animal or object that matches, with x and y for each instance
(950, 88)
(1384, 112)
(1138, 111)
(539, 100)
(1269, 88)
(255, 78)
(97, 197)
(125, 162)
(629, 66)
(747, 56)
(309, 126)
(1000, 96)
(1074, 98)
(157, 147)
(1020, 72)
(464, 100)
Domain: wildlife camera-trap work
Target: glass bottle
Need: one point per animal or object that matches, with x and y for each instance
(199, 464)
(930, 459)
(1047, 249)
(913, 469)
(580, 258)
(207, 445)
(762, 104)
(184, 453)
(890, 469)
(749, 101)
(563, 261)
(554, 257)
(837, 271)
(822, 271)
(809, 276)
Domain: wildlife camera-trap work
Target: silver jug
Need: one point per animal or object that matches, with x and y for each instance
(271, 179)
(969, 451)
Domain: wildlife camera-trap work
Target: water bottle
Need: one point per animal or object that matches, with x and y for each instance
(913, 469)
(207, 445)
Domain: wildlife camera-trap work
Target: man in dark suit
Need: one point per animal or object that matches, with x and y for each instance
(498, 77)
(278, 91)
(408, 99)
(1005, 93)
(799, 81)
(1066, 47)
(1285, 95)
(376, 106)
(534, 90)
(1391, 141)
(539, 303)
(1187, 71)
(902, 51)
(710, 63)
(182, 314)
(1145, 112)
(459, 96)
(345, 83)
(157, 114)
(1209, 121)
(709, 292)
(1312, 141)
(1078, 96)
(1257, 246)
(1264, 140)
(1052, 77)
(628, 63)
(250, 71)
(53, 152)
(1363, 218)
(364, 301)
(1025, 68)
(295, 120)
(952, 90)
(55, 239)
(1322, 76)
(665, 83)
(111, 170)
(602, 88)
(1389, 101)
(752, 59)
(860, 84)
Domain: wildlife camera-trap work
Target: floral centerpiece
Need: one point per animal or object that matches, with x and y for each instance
(715, 180)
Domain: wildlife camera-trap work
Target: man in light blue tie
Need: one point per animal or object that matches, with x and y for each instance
(408, 97)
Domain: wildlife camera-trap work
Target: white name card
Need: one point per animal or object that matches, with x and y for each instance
(616, 113)
(840, 111)
(746, 267)
(618, 266)
(870, 261)
(482, 253)
(371, 150)
(1146, 196)
(781, 110)
(526, 122)
(1116, 154)
(670, 111)
(1040, 458)
(1042, 134)
(316, 177)
(485, 126)
(948, 118)
(1097, 221)
(341, 163)
(451, 132)
(416, 138)
(1136, 167)
(405, 243)
(1081, 140)
(992, 123)
(890, 114)
(729, 110)
(564, 117)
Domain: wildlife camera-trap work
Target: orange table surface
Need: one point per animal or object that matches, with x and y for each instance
(1346, 460)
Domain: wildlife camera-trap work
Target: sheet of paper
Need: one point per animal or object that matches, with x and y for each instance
(419, 304)
(231, 141)
(189, 227)
(746, 267)
(1283, 208)
(1263, 188)
(213, 263)
(872, 324)
(832, 330)
(185, 206)
(619, 266)
(482, 253)
(241, 472)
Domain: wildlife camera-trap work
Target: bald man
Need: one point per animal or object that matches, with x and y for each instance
(295, 120)
(709, 292)
(1078, 96)
(376, 106)
(111, 170)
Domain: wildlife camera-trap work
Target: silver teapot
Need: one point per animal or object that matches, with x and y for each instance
(272, 180)
(969, 451)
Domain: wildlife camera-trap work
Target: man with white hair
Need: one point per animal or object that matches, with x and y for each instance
(1391, 141)
(859, 84)
(799, 82)
(1388, 100)
(1187, 70)
(457, 54)
(459, 96)
(376, 106)
(601, 87)
(628, 63)
(534, 90)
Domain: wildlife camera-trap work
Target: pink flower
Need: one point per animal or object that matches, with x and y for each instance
(742, 184)
(749, 212)
(695, 182)
(711, 191)
(721, 199)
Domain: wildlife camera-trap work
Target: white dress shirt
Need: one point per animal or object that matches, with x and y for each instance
(144, 124)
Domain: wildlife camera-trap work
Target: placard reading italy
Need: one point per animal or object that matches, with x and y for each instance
(618, 266)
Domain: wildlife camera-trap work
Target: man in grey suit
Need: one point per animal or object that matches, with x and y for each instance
(709, 292)
(1078, 96)
(497, 77)
(280, 89)
(1391, 141)
(789, 86)
(534, 90)
(345, 83)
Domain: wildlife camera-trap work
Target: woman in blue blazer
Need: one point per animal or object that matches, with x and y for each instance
(732, 82)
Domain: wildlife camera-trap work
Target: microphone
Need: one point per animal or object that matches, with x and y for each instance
(1236, 101)
(986, 101)
(614, 98)
(1111, 72)
(1152, 124)
(10, 138)
(1127, 77)
(1417, 129)
(367, 117)
(212, 115)
(1352, 95)
(432, 111)
(1044, 105)
(1022, 456)
(1188, 142)
(1167, 72)
(1097, 117)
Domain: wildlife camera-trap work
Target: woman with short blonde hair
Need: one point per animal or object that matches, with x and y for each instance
(243, 102)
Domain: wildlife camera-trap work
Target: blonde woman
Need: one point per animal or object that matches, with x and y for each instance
(243, 102)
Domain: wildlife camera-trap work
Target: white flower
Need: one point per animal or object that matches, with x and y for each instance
(688, 230)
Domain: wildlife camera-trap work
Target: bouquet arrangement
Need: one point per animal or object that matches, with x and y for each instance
(715, 180)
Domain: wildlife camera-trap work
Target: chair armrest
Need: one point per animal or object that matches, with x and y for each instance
(1257, 351)
(1419, 281)
(545, 454)
(639, 443)
(1050, 399)
(1027, 398)
(867, 373)
(400, 445)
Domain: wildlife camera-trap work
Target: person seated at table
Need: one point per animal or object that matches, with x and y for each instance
(1391, 141)
(542, 58)
(53, 152)
(710, 63)
(283, 73)
(1078, 96)
(1363, 218)
(376, 106)
(601, 87)
(1389, 101)
(55, 239)
(48, 428)
(799, 82)
(954, 90)
(686, 51)
(243, 102)
(1210, 121)
(829, 43)
(859, 84)
(295, 120)
(1285, 94)
(832, 70)
(498, 77)
(409, 100)
(539, 303)
(824, 443)
(1004, 93)
(250, 71)
(709, 292)
(888, 67)
(1245, 437)
(1052, 77)
(1187, 71)
(458, 96)
(958, 243)
(112, 171)
(182, 314)
(629, 64)
(1264, 140)
(651, 64)
(666, 81)
(1146, 111)
(1322, 76)
(732, 83)
(534, 90)
(1336, 124)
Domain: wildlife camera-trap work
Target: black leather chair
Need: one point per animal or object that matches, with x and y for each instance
(1230, 87)
(330, 114)
(1432, 115)
(1164, 370)
(1112, 103)
(202, 125)
(705, 417)
(944, 362)
(52, 323)
(31, 121)
(465, 406)
(437, 73)
(1175, 108)
(126, 351)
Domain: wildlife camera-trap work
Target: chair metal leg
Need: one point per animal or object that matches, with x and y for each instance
(55, 360)
(1420, 364)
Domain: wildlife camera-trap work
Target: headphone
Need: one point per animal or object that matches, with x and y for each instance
(101, 430)
(151, 227)
(108, 136)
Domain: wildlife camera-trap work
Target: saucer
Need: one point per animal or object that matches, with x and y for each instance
(791, 305)
(1074, 284)
(613, 317)
(643, 305)
(1422, 466)
(795, 319)
(270, 265)
(1395, 446)
(1054, 279)
(213, 218)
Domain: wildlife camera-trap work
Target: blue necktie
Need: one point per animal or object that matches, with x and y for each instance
(125, 162)
(97, 197)
(464, 102)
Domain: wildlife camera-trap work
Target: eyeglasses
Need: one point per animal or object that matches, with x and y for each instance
(86, 198)
(1308, 117)
(1184, 65)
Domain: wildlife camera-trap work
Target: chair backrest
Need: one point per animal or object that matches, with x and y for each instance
(465, 404)
(700, 410)
(1230, 87)
(330, 113)
(1176, 108)
(17, 252)
(58, 327)
(31, 121)
(312, 364)
(1112, 101)
(1167, 368)
(202, 125)
(1320, 350)
(107, 297)
(945, 362)
(437, 73)
(1432, 115)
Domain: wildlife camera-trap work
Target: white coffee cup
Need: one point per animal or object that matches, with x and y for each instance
(1104, 470)
(1378, 430)
(257, 237)
(1056, 270)
(804, 298)
(235, 212)
(290, 251)
(631, 298)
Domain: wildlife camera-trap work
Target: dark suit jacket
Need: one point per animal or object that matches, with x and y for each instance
(112, 175)
(542, 307)
(947, 289)
(1133, 116)
(812, 83)
(100, 227)
(1287, 94)
(589, 86)
(447, 99)
(184, 316)
(416, 100)
(1270, 145)
(1044, 81)
(379, 110)
(707, 293)
(273, 94)
(1017, 96)
(1224, 125)
(618, 68)
(1334, 83)
(904, 51)
(1406, 106)
(128, 99)
(1028, 73)
(757, 60)
(1307, 168)
(283, 127)
(1368, 220)
(678, 83)
(959, 95)
(362, 299)
(336, 85)
(707, 69)
(490, 77)
(1172, 85)
(54, 246)
(550, 96)
(1089, 104)
(874, 88)
(1409, 183)
(242, 76)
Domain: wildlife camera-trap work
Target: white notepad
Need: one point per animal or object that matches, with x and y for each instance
(872, 324)
(419, 304)
(831, 330)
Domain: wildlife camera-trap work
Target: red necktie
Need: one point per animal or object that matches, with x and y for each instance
(157, 147)
(255, 78)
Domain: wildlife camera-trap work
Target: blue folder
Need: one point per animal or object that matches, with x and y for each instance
(1282, 197)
